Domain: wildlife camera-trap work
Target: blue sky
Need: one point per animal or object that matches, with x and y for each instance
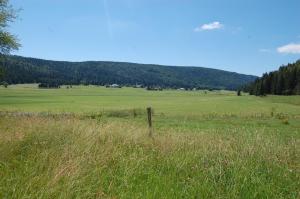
(246, 36)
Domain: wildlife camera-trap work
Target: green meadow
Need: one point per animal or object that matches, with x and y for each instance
(92, 142)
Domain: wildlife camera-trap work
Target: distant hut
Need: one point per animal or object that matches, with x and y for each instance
(115, 86)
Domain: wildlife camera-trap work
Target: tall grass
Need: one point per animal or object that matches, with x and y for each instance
(73, 157)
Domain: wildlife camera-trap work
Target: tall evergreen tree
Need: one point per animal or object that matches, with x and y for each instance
(285, 81)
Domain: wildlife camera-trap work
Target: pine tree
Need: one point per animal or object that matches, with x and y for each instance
(285, 81)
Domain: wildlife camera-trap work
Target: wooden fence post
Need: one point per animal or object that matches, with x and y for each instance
(149, 112)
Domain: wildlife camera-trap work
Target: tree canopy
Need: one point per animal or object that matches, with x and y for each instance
(8, 41)
(30, 70)
(285, 81)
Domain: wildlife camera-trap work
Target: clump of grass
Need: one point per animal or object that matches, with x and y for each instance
(124, 113)
(285, 121)
(273, 111)
(96, 115)
(281, 116)
(78, 158)
(128, 113)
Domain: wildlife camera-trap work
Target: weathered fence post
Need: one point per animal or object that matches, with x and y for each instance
(149, 112)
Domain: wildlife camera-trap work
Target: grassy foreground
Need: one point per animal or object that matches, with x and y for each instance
(212, 146)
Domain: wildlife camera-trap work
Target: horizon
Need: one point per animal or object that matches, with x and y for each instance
(198, 34)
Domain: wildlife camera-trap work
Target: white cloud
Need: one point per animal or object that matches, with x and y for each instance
(289, 49)
(210, 26)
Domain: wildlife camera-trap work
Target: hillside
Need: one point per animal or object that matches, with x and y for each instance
(285, 81)
(30, 70)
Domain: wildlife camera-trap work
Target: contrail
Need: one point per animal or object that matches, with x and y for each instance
(108, 20)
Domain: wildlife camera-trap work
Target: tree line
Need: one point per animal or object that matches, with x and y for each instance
(285, 81)
(20, 70)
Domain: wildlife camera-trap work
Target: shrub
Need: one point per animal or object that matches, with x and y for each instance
(285, 121)
(5, 84)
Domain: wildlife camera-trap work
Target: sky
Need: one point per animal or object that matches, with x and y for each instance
(245, 36)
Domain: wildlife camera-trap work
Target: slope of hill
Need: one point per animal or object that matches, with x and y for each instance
(285, 81)
(30, 70)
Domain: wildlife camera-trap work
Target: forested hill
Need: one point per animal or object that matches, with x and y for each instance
(30, 70)
(285, 81)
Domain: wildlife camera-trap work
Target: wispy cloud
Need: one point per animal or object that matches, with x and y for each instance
(210, 26)
(264, 50)
(289, 49)
(108, 19)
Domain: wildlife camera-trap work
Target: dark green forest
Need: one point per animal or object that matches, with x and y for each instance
(19, 70)
(285, 81)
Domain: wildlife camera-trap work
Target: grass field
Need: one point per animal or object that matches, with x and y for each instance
(92, 142)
